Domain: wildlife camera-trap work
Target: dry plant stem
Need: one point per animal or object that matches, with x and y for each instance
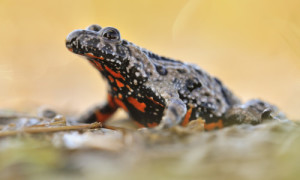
(61, 123)
(51, 129)
(19, 116)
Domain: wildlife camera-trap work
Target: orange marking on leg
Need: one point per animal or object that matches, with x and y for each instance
(110, 101)
(128, 87)
(155, 102)
(113, 73)
(115, 89)
(98, 65)
(119, 83)
(187, 117)
(111, 79)
(120, 96)
(120, 103)
(152, 124)
(93, 56)
(102, 117)
(212, 126)
(139, 106)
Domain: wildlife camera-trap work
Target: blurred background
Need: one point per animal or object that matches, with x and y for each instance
(253, 46)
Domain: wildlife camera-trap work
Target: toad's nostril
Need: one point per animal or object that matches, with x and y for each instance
(73, 35)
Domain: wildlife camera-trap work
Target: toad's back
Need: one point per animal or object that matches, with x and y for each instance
(205, 94)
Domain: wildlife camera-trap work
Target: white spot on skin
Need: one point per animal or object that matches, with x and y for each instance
(135, 82)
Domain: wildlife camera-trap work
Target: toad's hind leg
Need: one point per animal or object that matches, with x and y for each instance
(100, 113)
(253, 112)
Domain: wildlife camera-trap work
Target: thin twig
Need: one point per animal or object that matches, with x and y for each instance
(50, 129)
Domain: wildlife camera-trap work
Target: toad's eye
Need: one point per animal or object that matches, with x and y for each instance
(110, 33)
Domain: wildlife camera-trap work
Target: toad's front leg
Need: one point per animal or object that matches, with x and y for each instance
(100, 113)
(173, 114)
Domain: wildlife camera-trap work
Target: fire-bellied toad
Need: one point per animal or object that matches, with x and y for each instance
(156, 90)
